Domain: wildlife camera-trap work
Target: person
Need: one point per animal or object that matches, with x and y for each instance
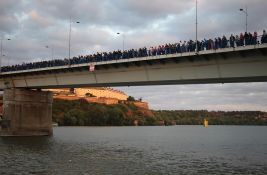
(250, 36)
(264, 37)
(246, 36)
(216, 44)
(219, 42)
(224, 42)
(241, 39)
(211, 44)
(237, 41)
(232, 41)
(254, 38)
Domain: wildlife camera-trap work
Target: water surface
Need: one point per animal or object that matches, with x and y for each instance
(138, 150)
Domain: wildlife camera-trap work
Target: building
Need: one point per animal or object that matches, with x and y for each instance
(101, 93)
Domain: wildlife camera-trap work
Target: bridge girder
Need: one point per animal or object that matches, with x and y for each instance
(235, 65)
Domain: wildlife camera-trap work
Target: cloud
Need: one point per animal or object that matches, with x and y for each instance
(145, 23)
(34, 24)
(249, 96)
(8, 20)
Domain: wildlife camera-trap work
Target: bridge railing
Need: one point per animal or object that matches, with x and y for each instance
(167, 49)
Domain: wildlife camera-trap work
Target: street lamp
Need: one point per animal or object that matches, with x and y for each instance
(2, 39)
(77, 22)
(123, 40)
(196, 29)
(246, 13)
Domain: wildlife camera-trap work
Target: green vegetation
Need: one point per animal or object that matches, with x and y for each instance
(130, 98)
(214, 118)
(82, 113)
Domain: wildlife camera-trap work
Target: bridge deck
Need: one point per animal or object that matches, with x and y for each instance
(158, 57)
(230, 65)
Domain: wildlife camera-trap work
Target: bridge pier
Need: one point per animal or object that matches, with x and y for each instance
(26, 113)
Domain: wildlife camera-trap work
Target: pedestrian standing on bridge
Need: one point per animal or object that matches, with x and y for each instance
(254, 38)
(246, 36)
(264, 37)
(241, 39)
(237, 41)
(250, 38)
(232, 41)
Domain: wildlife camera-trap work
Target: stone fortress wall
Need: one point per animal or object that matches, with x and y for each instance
(101, 93)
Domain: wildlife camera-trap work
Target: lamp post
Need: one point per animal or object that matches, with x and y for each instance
(70, 34)
(2, 39)
(123, 40)
(196, 28)
(246, 13)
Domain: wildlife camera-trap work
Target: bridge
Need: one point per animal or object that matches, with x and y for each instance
(229, 65)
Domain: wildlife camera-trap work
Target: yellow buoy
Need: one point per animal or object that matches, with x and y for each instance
(206, 123)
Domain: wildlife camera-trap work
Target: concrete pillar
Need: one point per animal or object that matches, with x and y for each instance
(26, 113)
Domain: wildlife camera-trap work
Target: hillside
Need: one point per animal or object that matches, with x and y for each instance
(130, 113)
(82, 113)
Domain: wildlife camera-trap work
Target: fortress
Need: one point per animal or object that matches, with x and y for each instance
(101, 93)
(94, 95)
(91, 92)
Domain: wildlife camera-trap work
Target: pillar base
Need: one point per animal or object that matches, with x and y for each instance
(26, 113)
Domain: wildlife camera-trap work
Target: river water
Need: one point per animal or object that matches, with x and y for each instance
(139, 151)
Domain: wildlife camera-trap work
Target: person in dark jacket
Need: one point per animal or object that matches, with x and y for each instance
(254, 38)
(264, 37)
(232, 41)
(246, 37)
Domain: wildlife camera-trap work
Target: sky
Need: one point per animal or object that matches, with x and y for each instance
(39, 30)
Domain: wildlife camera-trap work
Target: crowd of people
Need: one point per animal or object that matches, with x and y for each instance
(180, 47)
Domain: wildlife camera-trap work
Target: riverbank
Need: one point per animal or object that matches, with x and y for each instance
(82, 113)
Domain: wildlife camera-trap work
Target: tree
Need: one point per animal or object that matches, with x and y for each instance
(70, 120)
(116, 117)
(130, 98)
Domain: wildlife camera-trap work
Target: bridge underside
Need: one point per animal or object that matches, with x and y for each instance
(219, 67)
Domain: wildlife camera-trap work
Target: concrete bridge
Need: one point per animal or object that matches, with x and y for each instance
(230, 65)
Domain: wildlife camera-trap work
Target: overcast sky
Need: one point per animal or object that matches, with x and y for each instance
(34, 24)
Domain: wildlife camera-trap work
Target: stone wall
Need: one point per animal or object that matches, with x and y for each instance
(101, 92)
(107, 101)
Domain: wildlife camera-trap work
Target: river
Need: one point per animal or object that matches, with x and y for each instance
(138, 150)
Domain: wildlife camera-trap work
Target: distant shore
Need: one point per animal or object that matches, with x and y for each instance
(82, 113)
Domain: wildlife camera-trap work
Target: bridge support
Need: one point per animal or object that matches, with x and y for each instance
(26, 113)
